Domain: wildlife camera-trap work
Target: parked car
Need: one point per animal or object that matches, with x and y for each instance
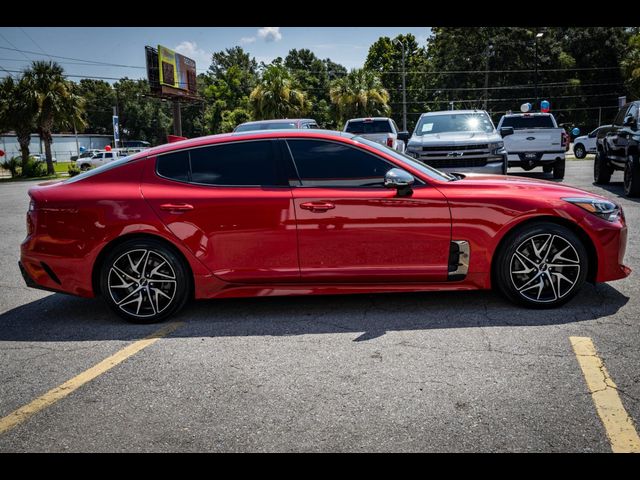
(309, 212)
(85, 154)
(97, 159)
(378, 129)
(280, 124)
(41, 157)
(534, 140)
(618, 148)
(459, 141)
(586, 144)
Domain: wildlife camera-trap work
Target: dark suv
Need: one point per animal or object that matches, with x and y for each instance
(617, 149)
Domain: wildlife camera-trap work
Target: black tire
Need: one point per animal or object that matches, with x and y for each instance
(513, 283)
(632, 176)
(602, 171)
(558, 169)
(547, 168)
(579, 151)
(84, 167)
(123, 287)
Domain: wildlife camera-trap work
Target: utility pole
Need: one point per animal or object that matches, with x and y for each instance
(451, 104)
(177, 118)
(404, 86)
(486, 75)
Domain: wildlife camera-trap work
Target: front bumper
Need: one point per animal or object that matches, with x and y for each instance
(493, 168)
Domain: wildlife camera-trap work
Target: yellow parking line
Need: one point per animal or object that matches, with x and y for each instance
(52, 396)
(617, 423)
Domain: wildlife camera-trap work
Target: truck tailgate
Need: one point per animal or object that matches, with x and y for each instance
(534, 140)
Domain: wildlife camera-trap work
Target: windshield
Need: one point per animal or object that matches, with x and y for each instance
(266, 126)
(423, 168)
(454, 122)
(521, 123)
(100, 169)
(368, 126)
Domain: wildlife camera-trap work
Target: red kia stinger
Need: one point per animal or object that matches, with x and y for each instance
(294, 212)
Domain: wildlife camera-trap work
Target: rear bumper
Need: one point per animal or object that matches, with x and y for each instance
(542, 158)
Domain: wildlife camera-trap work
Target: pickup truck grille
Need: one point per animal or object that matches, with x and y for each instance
(456, 148)
(459, 162)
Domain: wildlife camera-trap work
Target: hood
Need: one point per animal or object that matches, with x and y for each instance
(454, 138)
(524, 186)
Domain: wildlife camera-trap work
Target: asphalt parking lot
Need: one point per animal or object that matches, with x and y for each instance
(435, 372)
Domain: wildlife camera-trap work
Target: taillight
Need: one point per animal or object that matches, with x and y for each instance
(563, 141)
(390, 142)
(30, 213)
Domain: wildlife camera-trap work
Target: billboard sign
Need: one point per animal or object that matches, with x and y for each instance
(176, 71)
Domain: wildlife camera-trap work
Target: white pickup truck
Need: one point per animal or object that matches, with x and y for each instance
(382, 130)
(534, 140)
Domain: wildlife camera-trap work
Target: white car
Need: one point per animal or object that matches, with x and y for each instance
(382, 130)
(97, 159)
(41, 157)
(587, 143)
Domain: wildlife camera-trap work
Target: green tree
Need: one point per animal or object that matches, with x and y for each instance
(277, 95)
(359, 94)
(631, 66)
(385, 58)
(17, 113)
(310, 74)
(100, 98)
(57, 105)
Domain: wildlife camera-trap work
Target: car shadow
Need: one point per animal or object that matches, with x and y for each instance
(60, 318)
(617, 189)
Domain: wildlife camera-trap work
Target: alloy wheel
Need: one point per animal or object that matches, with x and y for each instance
(142, 283)
(545, 268)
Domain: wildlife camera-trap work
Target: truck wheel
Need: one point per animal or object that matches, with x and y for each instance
(579, 151)
(547, 168)
(632, 177)
(601, 169)
(558, 169)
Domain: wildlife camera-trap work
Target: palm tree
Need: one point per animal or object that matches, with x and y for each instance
(57, 105)
(17, 113)
(359, 94)
(276, 96)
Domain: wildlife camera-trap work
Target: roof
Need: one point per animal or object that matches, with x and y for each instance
(249, 135)
(368, 118)
(278, 120)
(528, 114)
(453, 112)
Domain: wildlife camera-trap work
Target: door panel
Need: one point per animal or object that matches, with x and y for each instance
(242, 234)
(373, 235)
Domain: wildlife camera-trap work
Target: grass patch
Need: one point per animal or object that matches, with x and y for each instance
(39, 179)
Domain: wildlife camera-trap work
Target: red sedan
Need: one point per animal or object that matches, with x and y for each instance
(309, 212)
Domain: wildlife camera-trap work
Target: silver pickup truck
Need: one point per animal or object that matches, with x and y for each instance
(382, 130)
(458, 141)
(534, 140)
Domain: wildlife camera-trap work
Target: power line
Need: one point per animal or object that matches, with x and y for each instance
(14, 47)
(33, 41)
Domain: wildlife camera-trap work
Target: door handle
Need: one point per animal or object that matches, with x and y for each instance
(317, 206)
(176, 207)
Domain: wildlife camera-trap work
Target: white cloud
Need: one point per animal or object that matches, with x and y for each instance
(246, 40)
(270, 34)
(191, 50)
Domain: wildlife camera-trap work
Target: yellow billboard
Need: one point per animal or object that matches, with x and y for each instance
(176, 70)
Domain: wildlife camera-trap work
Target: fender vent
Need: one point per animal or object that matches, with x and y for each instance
(52, 275)
(458, 260)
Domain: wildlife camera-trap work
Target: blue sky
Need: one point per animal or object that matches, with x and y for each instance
(125, 45)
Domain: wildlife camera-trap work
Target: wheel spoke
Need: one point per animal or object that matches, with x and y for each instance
(523, 259)
(549, 247)
(153, 307)
(146, 262)
(556, 295)
(558, 256)
(125, 274)
(523, 287)
(124, 284)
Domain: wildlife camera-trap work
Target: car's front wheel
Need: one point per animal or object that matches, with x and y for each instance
(542, 265)
(579, 151)
(144, 281)
(632, 177)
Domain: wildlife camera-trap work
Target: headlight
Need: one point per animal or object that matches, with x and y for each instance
(604, 209)
(497, 148)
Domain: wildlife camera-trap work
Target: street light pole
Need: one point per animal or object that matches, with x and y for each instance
(538, 35)
(404, 87)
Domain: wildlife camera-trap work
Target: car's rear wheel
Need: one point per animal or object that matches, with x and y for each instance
(84, 167)
(541, 265)
(601, 169)
(632, 176)
(579, 151)
(558, 169)
(144, 281)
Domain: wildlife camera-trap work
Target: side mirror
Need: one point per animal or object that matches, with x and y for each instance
(404, 136)
(505, 131)
(400, 180)
(629, 121)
